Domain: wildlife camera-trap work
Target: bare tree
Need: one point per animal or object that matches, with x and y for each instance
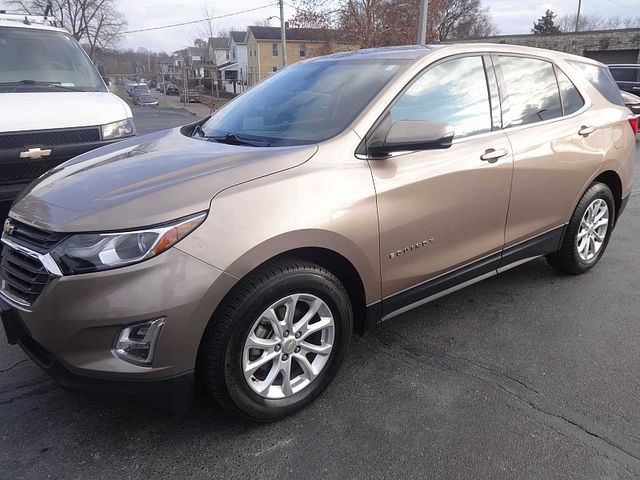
(567, 23)
(97, 23)
(392, 22)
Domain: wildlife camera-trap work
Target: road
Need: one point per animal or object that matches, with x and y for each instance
(531, 374)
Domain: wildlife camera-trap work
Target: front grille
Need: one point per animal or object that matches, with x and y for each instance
(33, 238)
(23, 275)
(22, 170)
(49, 138)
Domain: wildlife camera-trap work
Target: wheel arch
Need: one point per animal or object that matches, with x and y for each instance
(612, 180)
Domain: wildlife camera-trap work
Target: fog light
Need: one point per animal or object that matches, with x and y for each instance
(137, 343)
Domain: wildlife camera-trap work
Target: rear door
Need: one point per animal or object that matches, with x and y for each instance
(557, 144)
(442, 209)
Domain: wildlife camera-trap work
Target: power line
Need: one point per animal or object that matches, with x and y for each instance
(201, 20)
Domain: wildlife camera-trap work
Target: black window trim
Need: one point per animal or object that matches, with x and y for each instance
(361, 150)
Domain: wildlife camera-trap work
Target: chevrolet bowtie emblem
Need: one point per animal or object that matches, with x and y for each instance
(35, 153)
(8, 228)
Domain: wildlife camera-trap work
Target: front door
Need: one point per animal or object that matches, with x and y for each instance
(442, 212)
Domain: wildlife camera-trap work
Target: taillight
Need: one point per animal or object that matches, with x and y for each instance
(633, 121)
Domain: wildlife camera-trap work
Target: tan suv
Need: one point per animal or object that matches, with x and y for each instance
(244, 250)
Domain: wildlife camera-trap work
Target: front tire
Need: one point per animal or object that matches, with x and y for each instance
(588, 232)
(277, 341)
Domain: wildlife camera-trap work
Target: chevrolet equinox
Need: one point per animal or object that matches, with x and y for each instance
(241, 252)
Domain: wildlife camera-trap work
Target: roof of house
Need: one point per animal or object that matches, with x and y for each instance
(295, 34)
(218, 42)
(237, 36)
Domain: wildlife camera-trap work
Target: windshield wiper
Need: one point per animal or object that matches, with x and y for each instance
(39, 84)
(233, 139)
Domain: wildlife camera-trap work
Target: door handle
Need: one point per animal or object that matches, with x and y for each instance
(586, 131)
(492, 155)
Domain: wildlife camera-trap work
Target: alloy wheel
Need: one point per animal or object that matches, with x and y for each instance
(593, 230)
(288, 346)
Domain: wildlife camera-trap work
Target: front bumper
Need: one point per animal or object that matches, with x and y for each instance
(71, 328)
(175, 393)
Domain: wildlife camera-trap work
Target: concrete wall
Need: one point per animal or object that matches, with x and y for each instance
(622, 46)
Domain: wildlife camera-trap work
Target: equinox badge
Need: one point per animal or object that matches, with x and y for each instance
(411, 248)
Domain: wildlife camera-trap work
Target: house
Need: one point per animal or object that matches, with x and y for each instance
(236, 71)
(192, 60)
(218, 50)
(264, 48)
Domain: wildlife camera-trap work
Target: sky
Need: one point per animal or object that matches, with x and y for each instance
(511, 16)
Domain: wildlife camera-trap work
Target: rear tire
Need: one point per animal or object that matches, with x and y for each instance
(588, 232)
(294, 318)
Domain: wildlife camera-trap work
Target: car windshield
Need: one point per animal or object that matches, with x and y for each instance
(34, 60)
(304, 103)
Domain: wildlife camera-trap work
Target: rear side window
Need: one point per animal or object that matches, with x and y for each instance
(601, 79)
(571, 99)
(454, 92)
(528, 91)
(624, 74)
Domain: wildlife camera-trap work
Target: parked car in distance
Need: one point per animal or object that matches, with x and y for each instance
(631, 101)
(244, 250)
(152, 84)
(626, 76)
(172, 89)
(160, 86)
(146, 99)
(139, 88)
(192, 96)
(54, 104)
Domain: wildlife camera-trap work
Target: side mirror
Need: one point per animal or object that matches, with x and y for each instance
(411, 135)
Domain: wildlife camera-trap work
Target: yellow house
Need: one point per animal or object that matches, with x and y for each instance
(264, 48)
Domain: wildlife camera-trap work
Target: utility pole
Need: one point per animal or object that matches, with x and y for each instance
(283, 33)
(422, 22)
(578, 15)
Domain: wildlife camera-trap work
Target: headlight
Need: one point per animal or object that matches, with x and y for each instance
(93, 252)
(123, 128)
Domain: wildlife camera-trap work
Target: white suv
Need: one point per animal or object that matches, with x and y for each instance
(55, 104)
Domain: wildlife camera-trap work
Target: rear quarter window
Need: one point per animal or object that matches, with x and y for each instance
(600, 77)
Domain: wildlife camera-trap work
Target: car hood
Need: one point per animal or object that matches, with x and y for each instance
(48, 110)
(145, 181)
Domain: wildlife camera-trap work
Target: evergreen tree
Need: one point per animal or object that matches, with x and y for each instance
(546, 24)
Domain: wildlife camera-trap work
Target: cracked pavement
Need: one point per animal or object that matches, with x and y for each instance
(530, 374)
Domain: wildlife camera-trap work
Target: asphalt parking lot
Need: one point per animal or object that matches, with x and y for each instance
(531, 374)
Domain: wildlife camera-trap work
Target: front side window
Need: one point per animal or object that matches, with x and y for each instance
(274, 49)
(454, 92)
(528, 90)
(44, 60)
(306, 102)
(571, 99)
(601, 79)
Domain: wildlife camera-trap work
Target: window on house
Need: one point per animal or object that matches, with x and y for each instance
(274, 49)
(303, 50)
